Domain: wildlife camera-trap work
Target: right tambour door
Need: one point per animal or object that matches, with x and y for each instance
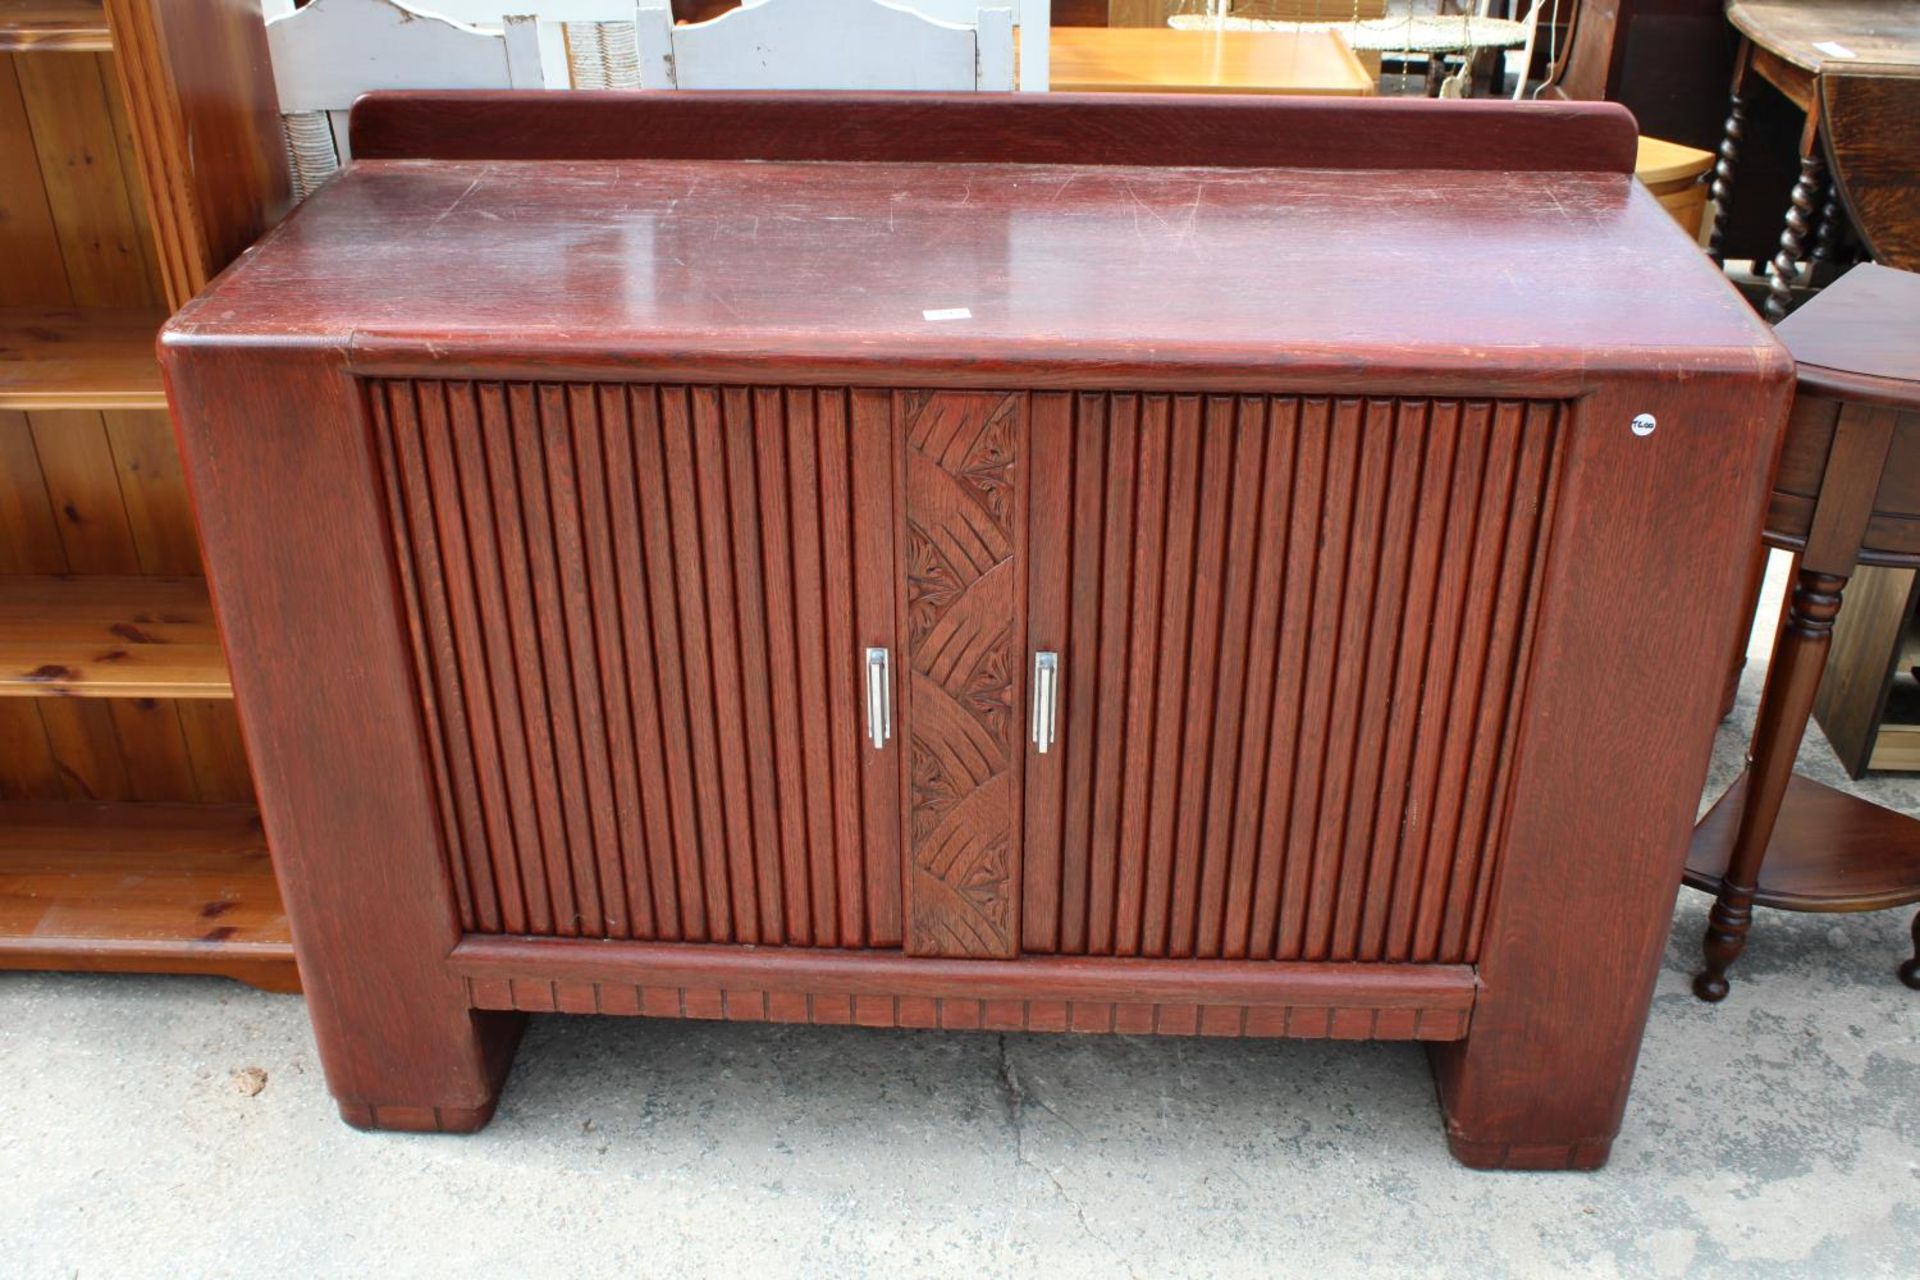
(1291, 636)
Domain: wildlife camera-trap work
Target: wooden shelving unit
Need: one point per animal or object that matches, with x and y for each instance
(73, 25)
(139, 151)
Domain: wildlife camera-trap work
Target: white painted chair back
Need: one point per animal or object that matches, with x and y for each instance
(584, 44)
(826, 44)
(1032, 18)
(332, 51)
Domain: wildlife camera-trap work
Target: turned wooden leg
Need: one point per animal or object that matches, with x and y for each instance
(1910, 971)
(1793, 677)
(1721, 192)
(1793, 238)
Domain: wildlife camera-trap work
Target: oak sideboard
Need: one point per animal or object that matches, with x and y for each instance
(1217, 567)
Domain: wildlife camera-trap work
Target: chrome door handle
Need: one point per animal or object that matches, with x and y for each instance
(1046, 699)
(879, 698)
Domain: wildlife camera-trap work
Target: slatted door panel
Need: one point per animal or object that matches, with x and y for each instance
(963, 526)
(1292, 633)
(638, 614)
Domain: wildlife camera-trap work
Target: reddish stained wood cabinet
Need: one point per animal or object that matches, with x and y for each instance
(1196, 639)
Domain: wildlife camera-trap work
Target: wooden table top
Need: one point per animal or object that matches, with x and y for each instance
(1876, 31)
(1162, 60)
(1860, 336)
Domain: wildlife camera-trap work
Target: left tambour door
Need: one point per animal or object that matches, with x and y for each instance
(642, 618)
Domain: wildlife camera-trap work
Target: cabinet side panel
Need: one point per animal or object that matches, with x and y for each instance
(287, 479)
(1653, 533)
(1298, 656)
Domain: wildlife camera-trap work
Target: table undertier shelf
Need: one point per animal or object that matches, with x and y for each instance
(1830, 851)
(141, 888)
(109, 637)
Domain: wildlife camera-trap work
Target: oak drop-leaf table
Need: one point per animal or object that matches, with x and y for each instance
(1052, 564)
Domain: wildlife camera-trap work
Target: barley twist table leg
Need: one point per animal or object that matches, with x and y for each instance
(1722, 190)
(1793, 238)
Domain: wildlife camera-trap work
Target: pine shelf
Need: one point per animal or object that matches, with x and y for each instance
(109, 637)
(79, 357)
(141, 888)
(75, 26)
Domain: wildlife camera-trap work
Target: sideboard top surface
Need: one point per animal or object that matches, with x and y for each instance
(891, 266)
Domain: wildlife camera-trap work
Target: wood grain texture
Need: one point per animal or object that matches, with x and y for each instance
(1062, 268)
(620, 608)
(109, 637)
(962, 543)
(887, 976)
(1869, 637)
(1592, 860)
(1667, 61)
(1828, 850)
(1161, 60)
(1293, 665)
(1870, 123)
(1215, 130)
(1863, 342)
(90, 486)
(46, 26)
(212, 160)
(1421, 599)
(332, 710)
(1871, 30)
(165, 888)
(968, 1012)
(93, 492)
(1849, 469)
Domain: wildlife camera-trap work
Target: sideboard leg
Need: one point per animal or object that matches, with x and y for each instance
(323, 663)
(1793, 678)
(1910, 971)
(442, 1085)
(1508, 1106)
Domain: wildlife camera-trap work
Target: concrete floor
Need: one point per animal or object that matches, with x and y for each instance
(1775, 1135)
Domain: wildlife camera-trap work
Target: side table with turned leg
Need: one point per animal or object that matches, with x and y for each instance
(1847, 492)
(1791, 45)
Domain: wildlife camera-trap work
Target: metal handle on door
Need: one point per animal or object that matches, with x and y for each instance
(879, 699)
(1046, 698)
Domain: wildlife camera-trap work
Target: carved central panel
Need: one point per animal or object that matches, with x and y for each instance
(964, 579)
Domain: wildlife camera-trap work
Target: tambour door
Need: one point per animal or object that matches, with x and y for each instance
(642, 617)
(1292, 634)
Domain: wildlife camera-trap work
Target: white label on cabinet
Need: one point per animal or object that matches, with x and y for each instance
(948, 313)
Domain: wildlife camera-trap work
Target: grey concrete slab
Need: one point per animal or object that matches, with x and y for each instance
(1777, 1134)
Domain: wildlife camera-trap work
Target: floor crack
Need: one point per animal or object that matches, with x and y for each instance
(1015, 1097)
